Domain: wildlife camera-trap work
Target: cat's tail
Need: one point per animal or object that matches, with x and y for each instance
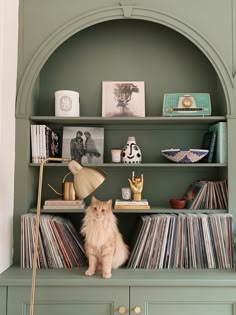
(121, 253)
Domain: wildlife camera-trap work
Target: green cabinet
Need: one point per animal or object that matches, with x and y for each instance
(160, 292)
(68, 300)
(109, 300)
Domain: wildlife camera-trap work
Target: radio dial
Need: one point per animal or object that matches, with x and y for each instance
(187, 102)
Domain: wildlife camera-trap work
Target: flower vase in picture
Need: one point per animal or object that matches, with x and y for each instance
(131, 153)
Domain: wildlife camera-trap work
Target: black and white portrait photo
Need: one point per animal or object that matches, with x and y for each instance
(83, 144)
(123, 99)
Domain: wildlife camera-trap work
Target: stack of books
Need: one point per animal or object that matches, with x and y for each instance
(58, 204)
(186, 241)
(59, 243)
(131, 204)
(45, 143)
(215, 140)
(209, 143)
(221, 148)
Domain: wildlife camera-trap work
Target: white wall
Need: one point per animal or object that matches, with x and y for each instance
(8, 71)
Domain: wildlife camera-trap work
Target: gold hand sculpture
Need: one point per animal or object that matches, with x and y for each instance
(136, 185)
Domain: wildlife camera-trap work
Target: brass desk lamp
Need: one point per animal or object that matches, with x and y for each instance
(86, 181)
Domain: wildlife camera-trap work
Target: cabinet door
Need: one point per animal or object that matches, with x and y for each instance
(182, 301)
(68, 300)
(3, 300)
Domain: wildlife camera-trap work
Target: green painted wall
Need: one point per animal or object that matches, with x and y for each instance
(211, 18)
(127, 50)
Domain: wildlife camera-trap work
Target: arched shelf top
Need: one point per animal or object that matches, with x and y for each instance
(126, 10)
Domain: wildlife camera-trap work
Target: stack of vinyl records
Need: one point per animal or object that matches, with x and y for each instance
(59, 244)
(207, 195)
(188, 241)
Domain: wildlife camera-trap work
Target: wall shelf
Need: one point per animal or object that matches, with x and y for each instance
(165, 278)
(141, 165)
(126, 120)
(153, 210)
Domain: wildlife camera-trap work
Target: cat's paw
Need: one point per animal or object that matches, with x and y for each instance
(89, 272)
(106, 275)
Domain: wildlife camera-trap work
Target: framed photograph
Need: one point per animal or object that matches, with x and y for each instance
(123, 99)
(83, 144)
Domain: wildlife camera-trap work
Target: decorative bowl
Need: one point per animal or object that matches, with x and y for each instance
(184, 155)
(178, 203)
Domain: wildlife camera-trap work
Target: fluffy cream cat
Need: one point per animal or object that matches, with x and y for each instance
(104, 245)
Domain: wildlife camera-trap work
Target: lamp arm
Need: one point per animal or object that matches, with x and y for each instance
(36, 240)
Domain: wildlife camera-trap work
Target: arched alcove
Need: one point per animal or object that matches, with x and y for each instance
(135, 50)
(28, 97)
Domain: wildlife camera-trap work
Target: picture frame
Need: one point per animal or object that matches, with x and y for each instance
(83, 144)
(123, 99)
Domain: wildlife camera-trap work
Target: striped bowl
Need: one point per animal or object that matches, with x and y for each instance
(184, 155)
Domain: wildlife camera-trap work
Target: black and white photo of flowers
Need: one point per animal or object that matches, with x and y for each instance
(123, 99)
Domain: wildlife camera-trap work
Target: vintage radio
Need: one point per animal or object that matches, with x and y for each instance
(182, 104)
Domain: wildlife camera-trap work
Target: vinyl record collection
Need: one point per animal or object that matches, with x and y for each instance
(187, 241)
(207, 195)
(59, 243)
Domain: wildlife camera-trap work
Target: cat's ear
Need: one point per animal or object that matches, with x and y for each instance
(109, 203)
(93, 199)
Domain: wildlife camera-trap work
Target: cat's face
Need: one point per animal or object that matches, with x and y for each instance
(100, 210)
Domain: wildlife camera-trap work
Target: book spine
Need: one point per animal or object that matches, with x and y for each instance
(221, 141)
(37, 144)
(131, 207)
(41, 142)
(47, 136)
(44, 153)
(212, 147)
(131, 203)
(33, 144)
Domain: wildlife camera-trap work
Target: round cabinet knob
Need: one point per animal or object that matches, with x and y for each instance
(137, 309)
(121, 310)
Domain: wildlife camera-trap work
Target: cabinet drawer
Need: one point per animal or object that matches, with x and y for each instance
(68, 300)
